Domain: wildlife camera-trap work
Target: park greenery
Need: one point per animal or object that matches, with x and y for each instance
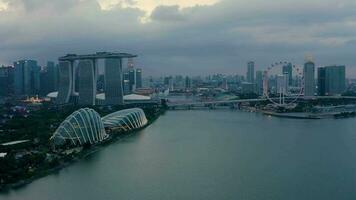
(36, 158)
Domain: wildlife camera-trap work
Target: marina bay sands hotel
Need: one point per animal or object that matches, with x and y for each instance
(87, 72)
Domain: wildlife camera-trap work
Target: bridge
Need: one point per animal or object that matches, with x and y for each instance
(236, 103)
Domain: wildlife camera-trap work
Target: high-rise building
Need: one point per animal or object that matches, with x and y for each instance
(309, 79)
(132, 79)
(113, 82)
(225, 84)
(49, 78)
(138, 78)
(6, 80)
(126, 82)
(259, 82)
(282, 84)
(247, 87)
(331, 80)
(87, 82)
(87, 78)
(26, 77)
(250, 72)
(321, 81)
(288, 70)
(188, 83)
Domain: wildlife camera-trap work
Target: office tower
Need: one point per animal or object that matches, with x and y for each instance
(26, 77)
(225, 84)
(259, 82)
(87, 82)
(321, 81)
(188, 83)
(282, 84)
(126, 82)
(138, 78)
(126, 87)
(171, 84)
(336, 80)
(331, 80)
(288, 69)
(52, 70)
(48, 78)
(65, 82)
(250, 72)
(132, 80)
(309, 79)
(179, 83)
(6, 80)
(114, 94)
(44, 90)
(247, 87)
(166, 80)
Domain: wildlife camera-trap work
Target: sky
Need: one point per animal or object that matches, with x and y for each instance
(188, 37)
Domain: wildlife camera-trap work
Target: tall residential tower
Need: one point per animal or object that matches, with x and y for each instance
(250, 76)
(309, 79)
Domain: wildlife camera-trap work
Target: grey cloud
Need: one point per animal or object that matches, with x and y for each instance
(167, 13)
(201, 39)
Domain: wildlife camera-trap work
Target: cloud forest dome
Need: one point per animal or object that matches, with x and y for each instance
(128, 119)
(81, 127)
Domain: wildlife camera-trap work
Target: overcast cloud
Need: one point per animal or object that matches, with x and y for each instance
(182, 36)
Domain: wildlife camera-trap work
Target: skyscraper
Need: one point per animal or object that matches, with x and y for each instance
(132, 79)
(259, 82)
(138, 78)
(188, 83)
(309, 79)
(6, 80)
(49, 78)
(282, 84)
(87, 78)
(288, 70)
(26, 77)
(331, 80)
(321, 81)
(126, 82)
(250, 72)
(113, 82)
(87, 82)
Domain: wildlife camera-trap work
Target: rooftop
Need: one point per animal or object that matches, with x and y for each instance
(97, 55)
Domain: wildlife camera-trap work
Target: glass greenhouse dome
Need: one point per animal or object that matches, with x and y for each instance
(125, 120)
(82, 127)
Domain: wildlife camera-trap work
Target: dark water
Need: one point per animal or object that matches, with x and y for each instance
(214, 155)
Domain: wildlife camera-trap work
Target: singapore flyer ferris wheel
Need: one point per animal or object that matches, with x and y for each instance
(283, 83)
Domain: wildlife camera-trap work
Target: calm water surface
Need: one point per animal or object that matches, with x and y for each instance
(214, 155)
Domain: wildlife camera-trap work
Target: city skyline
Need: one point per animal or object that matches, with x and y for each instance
(174, 37)
(177, 99)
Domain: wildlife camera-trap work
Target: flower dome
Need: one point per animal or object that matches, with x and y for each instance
(81, 127)
(128, 119)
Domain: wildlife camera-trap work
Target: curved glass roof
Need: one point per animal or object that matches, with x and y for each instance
(125, 119)
(81, 127)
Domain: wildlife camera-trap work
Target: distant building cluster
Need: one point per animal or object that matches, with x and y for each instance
(27, 78)
(75, 79)
(286, 79)
(132, 78)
